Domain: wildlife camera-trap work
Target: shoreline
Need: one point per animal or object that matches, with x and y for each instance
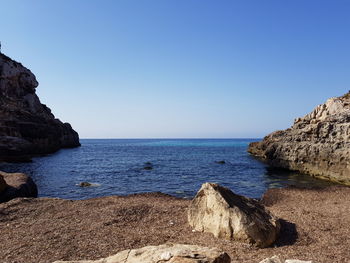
(187, 198)
(49, 229)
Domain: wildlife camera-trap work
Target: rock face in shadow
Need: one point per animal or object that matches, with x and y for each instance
(27, 127)
(175, 253)
(3, 184)
(217, 210)
(17, 185)
(317, 144)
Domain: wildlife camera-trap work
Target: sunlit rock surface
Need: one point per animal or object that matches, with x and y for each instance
(317, 144)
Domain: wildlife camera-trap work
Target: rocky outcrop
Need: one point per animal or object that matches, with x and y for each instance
(317, 144)
(172, 253)
(17, 185)
(218, 210)
(27, 127)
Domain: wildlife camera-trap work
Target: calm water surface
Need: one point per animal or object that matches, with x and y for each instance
(179, 167)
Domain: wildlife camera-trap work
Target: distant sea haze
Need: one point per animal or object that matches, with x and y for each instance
(174, 166)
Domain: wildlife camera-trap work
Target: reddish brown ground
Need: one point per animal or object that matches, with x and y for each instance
(315, 227)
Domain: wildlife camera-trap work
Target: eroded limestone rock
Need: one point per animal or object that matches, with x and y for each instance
(172, 253)
(218, 210)
(27, 127)
(317, 144)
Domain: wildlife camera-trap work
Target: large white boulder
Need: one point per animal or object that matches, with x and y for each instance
(218, 210)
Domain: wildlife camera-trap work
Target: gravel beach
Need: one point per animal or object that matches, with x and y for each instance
(315, 226)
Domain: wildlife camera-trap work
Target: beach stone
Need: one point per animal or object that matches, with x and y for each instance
(274, 259)
(317, 144)
(296, 261)
(172, 253)
(18, 185)
(216, 209)
(3, 184)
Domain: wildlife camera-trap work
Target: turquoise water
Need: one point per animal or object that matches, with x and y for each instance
(174, 166)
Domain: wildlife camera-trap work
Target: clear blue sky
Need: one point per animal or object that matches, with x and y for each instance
(180, 68)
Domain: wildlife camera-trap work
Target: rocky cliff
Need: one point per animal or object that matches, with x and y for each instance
(317, 144)
(27, 127)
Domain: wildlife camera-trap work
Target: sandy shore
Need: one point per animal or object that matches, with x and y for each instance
(315, 227)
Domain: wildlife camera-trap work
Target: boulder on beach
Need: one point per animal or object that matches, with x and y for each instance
(317, 144)
(172, 253)
(3, 184)
(17, 185)
(27, 127)
(218, 210)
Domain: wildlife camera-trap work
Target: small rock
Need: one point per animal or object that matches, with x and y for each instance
(148, 166)
(166, 256)
(274, 259)
(85, 184)
(296, 261)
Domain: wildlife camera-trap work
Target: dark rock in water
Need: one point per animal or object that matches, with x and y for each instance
(27, 127)
(148, 166)
(220, 162)
(85, 184)
(317, 144)
(18, 185)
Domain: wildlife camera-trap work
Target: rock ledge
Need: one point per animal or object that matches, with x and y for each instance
(317, 144)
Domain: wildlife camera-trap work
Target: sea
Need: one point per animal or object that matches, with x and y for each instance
(173, 166)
